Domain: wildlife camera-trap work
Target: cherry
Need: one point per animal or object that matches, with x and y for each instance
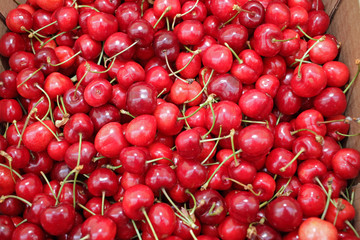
(27, 231)
(141, 94)
(28, 187)
(95, 205)
(311, 120)
(74, 100)
(163, 219)
(166, 45)
(78, 124)
(126, 13)
(188, 144)
(287, 101)
(268, 84)
(10, 110)
(26, 82)
(264, 185)
(250, 69)
(137, 199)
(322, 52)
(261, 104)
(8, 84)
(217, 57)
(40, 162)
(38, 135)
(190, 32)
(234, 35)
(265, 39)
(278, 13)
(99, 227)
(10, 43)
(333, 97)
(97, 92)
(101, 25)
(318, 23)
(87, 152)
(192, 10)
(191, 174)
(284, 214)
(255, 140)
(58, 220)
(230, 228)
(19, 20)
(312, 200)
(188, 64)
(253, 15)
(278, 158)
(67, 18)
(120, 45)
(310, 170)
(315, 228)
(7, 227)
(346, 163)
(141, 131)
(90, 49)
(337, 73)
(223, 9)
(342, 210)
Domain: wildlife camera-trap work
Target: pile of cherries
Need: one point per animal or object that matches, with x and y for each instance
(174, 120)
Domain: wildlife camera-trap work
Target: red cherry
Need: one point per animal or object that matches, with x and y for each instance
(218, 57)
(99, 227)
(315, 228)
(101, 25)
(346, 163)
(58, 220)
(256, 104)
(137, 199)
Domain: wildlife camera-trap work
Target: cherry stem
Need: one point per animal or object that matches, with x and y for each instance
(32, 46)
(232, 133)
(30, 76)
(9, 159)
(203, 89)
(327, 202)
(172, 72)
(136, 229)
(357, 62)
(278, 193)
(234, 53)
(48, 128)
(214, 148)
(183, 217)
(87, 6)
(150, 224)
(192, 212)
(206, 184)
(250, 121)
(214, 120)
(352, 228)
(167, 23)
(142, 7)
(216, 139)
(238, 9)
(23, 221)
(307, 52)
(345, 120)
(117, 54)
(55, 36)
(32, 111)
(283, 169)
(183, 14)
(101, 55)
(208, 101)
(113, 167)
(305, 34)
(347, 135)
(49, 111)
(246, 187)
(161, 158)
(64, 181)
(48, 183)
(102, 203)
(162, 15)
(122, 111)
(3, 198)
(326, 192)
(48, 59)
(187, 64)
(283, 40)
(12, 170)
(86, 209)
(77, 172)
(38, 30)
(193, 235)
(82, 78)
(302, 130)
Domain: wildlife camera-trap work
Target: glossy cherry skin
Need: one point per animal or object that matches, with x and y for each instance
(231, 229)
(29, 89)
(311, 199)
(190, 32)
(256, 104)
(346, 212)
(188, 144)
(163, 219)
(166, 44)
(103, 115)
(227, 114)
(99, 227)
(17, 19)
(287, 101)
(117, 42)
(160, 176)
(268, 84)
(141, 94)
(36, 136)
(183, 231)
(263, 40)
(191, 174)
(318, 23)
(7, 227)
(10, 43)
(98, 92)
(10, 110)
(191, 70)
(324, 51)
(8, 84)
(136, 199)
(223, 9)
(58, 220)
(243, 206)
(284, 214)
(182, 92)
(346, 163)
(87, 152)
(166, 115)
(337, 73)
(29, 186)
(101, 181)
(109, 141)
(226, 87)
(217, 57)
(27, 231)
(141, 131)
(78, 124)
(90, 49)
(278, 158)
(101, 26)
(254, 17)
(333, 97)
(250, 69)
(310, 119)
(278, 14)
(315, 228)
(255, 140)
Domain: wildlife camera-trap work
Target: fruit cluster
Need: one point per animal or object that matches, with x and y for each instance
(174, 120)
